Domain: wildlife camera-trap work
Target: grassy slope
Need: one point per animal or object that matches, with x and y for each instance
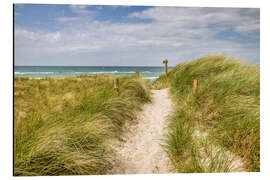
(62, 125)
(226, 107)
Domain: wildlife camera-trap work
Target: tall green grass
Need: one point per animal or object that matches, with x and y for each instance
(226, 108)
(62, 126)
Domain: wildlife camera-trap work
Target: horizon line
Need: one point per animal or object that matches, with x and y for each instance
(81, 66)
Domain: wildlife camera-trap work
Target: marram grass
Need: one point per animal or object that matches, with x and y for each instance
(62, 126)
(226, 107)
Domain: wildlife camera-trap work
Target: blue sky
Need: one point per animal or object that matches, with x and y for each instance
(79, 35)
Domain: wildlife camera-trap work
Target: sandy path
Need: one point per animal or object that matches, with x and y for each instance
(140, 151)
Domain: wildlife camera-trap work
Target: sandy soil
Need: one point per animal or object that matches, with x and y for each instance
(234, 162)
(141, 152)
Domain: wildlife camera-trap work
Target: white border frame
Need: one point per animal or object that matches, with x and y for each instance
(6, 71)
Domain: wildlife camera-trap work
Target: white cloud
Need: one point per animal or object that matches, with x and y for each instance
(53, 37)
(242, 20)
(66, 19)
(175, 33)
(81, 10)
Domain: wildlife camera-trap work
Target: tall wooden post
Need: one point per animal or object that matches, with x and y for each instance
(195, 86)
(137, 73)
(116, 86)
(166, 62)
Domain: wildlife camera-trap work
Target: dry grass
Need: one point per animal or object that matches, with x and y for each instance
(62, 126)
(226, 107)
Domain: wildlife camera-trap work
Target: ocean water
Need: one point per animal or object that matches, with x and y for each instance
(62, 71)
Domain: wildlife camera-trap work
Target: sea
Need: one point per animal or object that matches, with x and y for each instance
(148, 72)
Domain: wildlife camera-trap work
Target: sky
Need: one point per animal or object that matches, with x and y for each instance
(82, 35)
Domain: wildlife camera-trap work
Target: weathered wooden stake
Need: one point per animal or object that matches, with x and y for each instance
(116, 85)
(137, 73)
(195, 86)
(166, 62)
(95, 79)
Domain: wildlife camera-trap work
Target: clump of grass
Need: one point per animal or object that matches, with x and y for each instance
(226, 106)
(62, 126)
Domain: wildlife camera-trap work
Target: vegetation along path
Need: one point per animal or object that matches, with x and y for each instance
(141, 152)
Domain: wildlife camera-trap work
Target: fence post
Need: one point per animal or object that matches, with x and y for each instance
(195, 86)
(95, 79)
(137, 73)
(116, 86)
(166, 62)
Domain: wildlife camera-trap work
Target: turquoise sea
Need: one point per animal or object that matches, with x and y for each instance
(62, 71)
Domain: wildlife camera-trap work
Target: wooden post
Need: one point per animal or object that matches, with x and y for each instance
(116, 85)
(137, 73)
(195, 86)
(166, 62)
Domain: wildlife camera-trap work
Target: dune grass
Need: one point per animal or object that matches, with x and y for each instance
(62, 126)
(219, 122)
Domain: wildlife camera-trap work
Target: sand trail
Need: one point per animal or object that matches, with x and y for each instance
(141, 152)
